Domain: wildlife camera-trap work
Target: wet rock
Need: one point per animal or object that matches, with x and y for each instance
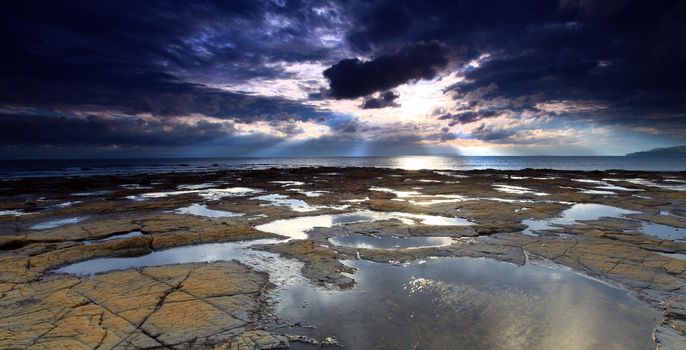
(225, 233)
(256, 340)
(322, 266)
(618, 261)
(393, 205)
(671, 333)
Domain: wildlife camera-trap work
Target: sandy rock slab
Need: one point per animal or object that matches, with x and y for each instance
(180, 307)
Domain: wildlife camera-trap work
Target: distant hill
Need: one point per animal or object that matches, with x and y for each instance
(677, 151)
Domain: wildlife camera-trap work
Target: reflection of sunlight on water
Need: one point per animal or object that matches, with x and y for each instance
(419, 162)
(437, 162)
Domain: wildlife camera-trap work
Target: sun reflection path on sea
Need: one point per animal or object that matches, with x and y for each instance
(418, 162)
(424, 162)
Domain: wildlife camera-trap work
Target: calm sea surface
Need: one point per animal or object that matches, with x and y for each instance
(86, 167)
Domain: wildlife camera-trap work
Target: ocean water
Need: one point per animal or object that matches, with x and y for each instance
(87, 167)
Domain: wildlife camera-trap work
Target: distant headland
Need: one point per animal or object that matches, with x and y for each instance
(676, 151)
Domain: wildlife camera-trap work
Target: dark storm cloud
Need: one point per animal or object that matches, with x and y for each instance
(467, 117)
(627, 53)
(189, 35)
(115, 88)
(147, 56)
(101, 131)
(352, 78)
(386, 99)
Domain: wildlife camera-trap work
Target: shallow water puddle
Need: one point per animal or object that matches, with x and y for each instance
(604, 185)
(136, 187)
(57, 222)
(309, 193)
(196, 186)
(649, 183)
(93, 193)
(208, 194)
(589, 181)
(13, 212)
(674, 255)
(399, 194)
(296, 228)
(280, 200)
(618, 188)
(280, 269)
(517, 190)
(66, 204)
(288, 183)
(663, 231)
(431, 199)
(578, 212)
(601, 192)
(451, 174)
(448, 303)
(455, 198)
(120, 236)
(390, 243)
(202, 210)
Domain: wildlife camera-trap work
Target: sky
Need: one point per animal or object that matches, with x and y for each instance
(250, 78)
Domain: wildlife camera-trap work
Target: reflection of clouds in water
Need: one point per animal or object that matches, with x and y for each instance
(57, 223)
(280, 200)
(12, 212)
(649, 183)
(281, 271)
(208, 194)
(399, 194)
(203, 210)
(296, 228)
(389, 242)
(476, 303)
(518, 190)
(578, 212)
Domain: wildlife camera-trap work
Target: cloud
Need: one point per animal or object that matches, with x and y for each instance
(352, 78)
(104, 131)
(467, 117)
(623, 55)
(260, 73)
(386, 99)
(164, 58)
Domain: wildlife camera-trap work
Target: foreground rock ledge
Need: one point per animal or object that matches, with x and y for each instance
(177, 306)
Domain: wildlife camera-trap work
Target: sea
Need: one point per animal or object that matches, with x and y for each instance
(14, 169)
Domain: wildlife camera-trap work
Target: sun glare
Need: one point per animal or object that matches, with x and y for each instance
(419, 162)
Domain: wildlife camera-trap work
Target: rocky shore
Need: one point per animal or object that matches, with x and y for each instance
(624, 228)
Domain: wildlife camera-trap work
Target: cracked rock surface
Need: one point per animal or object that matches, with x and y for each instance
(177, 306)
